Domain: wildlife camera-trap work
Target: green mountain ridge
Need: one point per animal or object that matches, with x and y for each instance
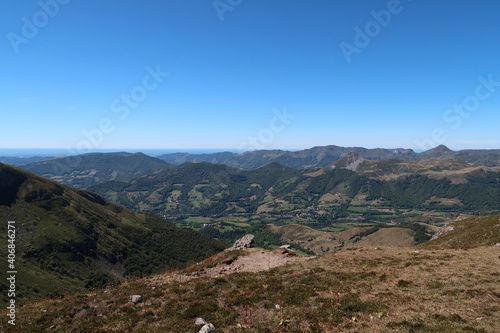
(68, 239)
(208, 189)
(85, 170)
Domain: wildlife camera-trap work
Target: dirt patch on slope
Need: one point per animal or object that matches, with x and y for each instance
(256, 260)
(229, 262)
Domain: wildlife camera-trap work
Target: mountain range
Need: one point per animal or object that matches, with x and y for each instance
(323, 156)
(199, 188)
(86, 170)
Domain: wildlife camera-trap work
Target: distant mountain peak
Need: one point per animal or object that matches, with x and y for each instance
(442, 148)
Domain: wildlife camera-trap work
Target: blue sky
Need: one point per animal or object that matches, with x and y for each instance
(258, 74)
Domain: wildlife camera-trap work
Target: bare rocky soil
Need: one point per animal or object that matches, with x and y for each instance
(248, 260)
(255, 261)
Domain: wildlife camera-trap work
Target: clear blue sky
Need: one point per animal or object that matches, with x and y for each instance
(66, 71)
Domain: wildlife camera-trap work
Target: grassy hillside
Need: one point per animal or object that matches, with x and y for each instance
(68, 240)
(209, 189)
(199, 188)
(82, 171)
(321, 242)
(376, 290)
(469, 232)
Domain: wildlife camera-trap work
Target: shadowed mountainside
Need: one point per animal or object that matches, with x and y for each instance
(68, 239)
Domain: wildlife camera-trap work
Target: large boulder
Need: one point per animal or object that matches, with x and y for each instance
(244, 242)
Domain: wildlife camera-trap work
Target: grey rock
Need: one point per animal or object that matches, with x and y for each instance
(200, 321)
(244, 242)
(135, 298)
(207, 328)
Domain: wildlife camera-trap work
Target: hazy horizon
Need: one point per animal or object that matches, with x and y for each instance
(31, 152)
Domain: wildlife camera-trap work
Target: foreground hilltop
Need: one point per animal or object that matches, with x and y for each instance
(375, 289)
(69, 239)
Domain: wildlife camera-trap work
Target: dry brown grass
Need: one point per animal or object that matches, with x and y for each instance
(321, 242)
(358, 290)
(469, 232)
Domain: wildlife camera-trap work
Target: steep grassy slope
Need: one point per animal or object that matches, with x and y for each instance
(384, 290)
(321, 242)
(68, 239)
(82, 171)
(469, 232)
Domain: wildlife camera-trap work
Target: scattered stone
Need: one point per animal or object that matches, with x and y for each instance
(135, 298)
(200, 321)
(244, 242)
(207, 328)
